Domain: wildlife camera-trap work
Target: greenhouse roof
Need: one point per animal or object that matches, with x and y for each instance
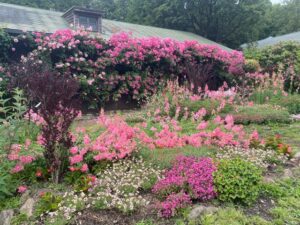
(276, 40)
(17, 19)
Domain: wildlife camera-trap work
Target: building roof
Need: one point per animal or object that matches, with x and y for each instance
(276, 40)
(16, 18)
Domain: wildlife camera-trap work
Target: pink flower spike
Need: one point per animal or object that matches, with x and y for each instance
(202, 125)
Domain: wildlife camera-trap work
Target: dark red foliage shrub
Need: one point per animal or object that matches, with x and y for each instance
(52, 96)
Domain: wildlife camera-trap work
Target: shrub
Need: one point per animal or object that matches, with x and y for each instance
(55, 96)
(8, 186)
(284, 57)
(261, 114)
(251, 66)
(12, 110)
(5, 46)
(290, 102)
(237, 181)
(123, 65)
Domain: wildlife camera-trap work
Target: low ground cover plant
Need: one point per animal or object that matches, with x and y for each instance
(120, 187)
(263, 158)
(189, 178)
(232, 216)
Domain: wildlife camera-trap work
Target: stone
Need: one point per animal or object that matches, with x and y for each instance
(296, 117)
(297, 156)
(27, 208)
(287, 173)
(201, 210)
(25, 196)
(6, 216)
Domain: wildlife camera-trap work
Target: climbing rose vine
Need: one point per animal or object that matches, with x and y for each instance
(127, 66)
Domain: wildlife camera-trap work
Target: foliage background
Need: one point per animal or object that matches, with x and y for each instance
(231, 22)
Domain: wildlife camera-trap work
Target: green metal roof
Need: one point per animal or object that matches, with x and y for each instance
(17, 18)
(276, 40)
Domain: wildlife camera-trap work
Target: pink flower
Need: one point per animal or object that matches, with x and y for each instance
(202, 125)
(254, 135)
(17, 168)
(84, 168)
(174, 203)
(22, 189)
(27, 143)
(218, 120)
(72, 169)
(26, 159)
(250, 104)
(38, 173)
(86, 140)
(40, 140)
(74, 150)
(76, 159)
(13, 157)
(16, 147)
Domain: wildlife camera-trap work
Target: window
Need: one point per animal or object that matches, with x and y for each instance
(88, 22)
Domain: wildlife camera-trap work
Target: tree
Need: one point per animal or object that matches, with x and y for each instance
(286, 17)
(230, 22)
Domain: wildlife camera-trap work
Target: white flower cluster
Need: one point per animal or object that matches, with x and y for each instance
(70, 205)
(260, 157)
(119, 187)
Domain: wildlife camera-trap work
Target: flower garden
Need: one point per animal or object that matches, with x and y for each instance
(213, 137)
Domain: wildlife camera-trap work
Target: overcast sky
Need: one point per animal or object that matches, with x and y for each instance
(276, 1)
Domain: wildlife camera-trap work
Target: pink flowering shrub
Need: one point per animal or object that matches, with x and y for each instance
(127, 66)
(191, 178)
